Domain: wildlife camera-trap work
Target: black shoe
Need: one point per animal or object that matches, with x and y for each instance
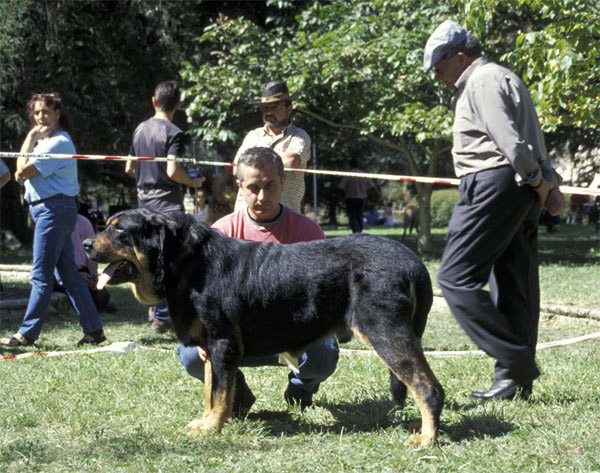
(295, 396)
(243, 399)
(503, 389)
(93, 338)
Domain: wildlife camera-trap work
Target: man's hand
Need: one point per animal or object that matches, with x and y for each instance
(551, 198)
(202, 354)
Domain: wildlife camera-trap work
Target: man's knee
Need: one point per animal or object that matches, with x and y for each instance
(190, 359)
(320, 361)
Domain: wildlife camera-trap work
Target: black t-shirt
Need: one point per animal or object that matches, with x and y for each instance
(157, 137)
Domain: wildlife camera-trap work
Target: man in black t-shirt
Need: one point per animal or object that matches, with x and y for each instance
(159, 183)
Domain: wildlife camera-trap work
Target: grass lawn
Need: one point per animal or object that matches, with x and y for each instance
(127, 413)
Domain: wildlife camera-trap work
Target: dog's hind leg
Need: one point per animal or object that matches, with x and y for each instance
(404, 357)
(398, 389)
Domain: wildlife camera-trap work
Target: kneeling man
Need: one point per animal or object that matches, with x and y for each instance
(260, 178)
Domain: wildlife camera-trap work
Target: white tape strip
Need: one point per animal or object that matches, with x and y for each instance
(451, 354)
(125, 347)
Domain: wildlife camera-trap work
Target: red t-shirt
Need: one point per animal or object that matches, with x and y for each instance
(289, 227)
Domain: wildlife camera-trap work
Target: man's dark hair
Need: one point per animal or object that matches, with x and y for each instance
(470, 47)
(259, 158)
(167, 95)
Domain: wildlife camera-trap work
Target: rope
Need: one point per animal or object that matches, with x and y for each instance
(453, 354)
(388, 177)
(126, 347)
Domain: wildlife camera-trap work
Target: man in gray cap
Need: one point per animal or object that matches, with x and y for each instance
(506, 178)
(282, 136)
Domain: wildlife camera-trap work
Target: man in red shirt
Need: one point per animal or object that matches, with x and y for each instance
(260, 178)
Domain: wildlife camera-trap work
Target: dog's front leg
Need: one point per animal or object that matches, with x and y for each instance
(196, 426)
(219, 388)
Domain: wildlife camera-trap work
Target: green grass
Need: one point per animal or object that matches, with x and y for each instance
(128, 413)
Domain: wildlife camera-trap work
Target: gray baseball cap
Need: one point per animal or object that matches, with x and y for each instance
(445, 37)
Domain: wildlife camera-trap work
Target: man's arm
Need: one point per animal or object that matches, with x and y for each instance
(290, 160)
(497, 105)
(177, 174)
(131, 168)
(498, 109)
(297, 153)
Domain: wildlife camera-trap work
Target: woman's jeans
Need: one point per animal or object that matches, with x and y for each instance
(55, 220)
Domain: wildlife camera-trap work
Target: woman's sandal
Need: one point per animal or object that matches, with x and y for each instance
(92, 338)
(16, 340)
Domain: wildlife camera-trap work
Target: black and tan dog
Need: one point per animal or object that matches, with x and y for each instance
(235, 297)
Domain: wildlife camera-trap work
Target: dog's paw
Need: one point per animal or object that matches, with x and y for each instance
(421, 441)
(200, 427)
(197, 428)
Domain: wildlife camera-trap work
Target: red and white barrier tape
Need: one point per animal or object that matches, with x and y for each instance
(388, 177)
(125, 347)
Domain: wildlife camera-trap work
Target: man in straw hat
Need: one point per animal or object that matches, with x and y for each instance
(506, 178)
(282, 136)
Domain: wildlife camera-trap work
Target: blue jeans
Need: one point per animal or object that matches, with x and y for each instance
(161, 311)
(316, 365)
(55, 220)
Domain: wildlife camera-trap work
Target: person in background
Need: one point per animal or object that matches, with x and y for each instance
(88, 269)
(282, 136)
(355, 191)
(204, 211)
(505, 179)
(50, 189)
(577, 204)
(260, 177)
(4, 178)
(159, 183)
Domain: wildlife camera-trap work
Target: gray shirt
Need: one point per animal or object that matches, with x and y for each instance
(495, 124)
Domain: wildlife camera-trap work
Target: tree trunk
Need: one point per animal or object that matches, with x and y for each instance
(424, 242)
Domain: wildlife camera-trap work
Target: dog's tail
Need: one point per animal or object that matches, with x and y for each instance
(421, 298)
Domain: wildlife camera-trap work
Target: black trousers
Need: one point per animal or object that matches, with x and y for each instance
(354, 209)
(492, 238)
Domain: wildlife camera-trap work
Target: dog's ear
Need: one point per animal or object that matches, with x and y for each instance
(163, 221)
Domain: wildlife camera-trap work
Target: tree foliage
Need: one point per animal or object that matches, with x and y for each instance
(555, 46)
(356, 65)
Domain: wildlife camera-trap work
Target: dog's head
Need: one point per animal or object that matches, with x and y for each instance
(133, 245)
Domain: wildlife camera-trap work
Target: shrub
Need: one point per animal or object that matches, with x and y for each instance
(442, 205)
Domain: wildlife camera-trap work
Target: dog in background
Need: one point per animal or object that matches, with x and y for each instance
(411, 219)
(234, 297)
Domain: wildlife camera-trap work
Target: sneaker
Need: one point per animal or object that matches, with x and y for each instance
(158, 326)
(243, 399)
(295, 396)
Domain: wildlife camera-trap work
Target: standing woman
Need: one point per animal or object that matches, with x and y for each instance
(50, 189)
